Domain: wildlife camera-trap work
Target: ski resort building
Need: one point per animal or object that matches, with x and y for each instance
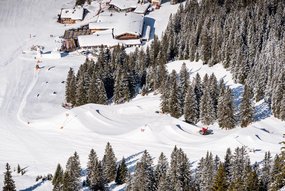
(129, 27)
(70, 38)
(104, 38)
(156, 2)
(124, 26)
(123, 5)
(70, 16)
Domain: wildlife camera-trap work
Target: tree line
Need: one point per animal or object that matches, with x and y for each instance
(233, 172)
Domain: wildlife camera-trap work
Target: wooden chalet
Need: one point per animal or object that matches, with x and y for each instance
(70, 37)
(70, 16)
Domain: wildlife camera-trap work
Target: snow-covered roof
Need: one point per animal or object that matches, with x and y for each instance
(124, 4)
(101, 25)
(104, 38)
(97, 39)
(74, 14)
(130, 23)
(142, 8)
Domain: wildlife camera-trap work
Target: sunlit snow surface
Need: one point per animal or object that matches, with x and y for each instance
(37, 133)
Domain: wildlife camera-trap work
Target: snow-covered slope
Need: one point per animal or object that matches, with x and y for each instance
(37, 133)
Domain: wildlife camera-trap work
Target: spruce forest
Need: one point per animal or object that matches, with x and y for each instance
(245, 36)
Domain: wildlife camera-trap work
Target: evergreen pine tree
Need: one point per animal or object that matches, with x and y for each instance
(143, 178)
(198, 90)
(278, 173)
(71, 177)
(109, 163)
(122, 173)
(246, 108)
(220, 180)
(228, 164)
(180, 172)
(265, 172)
(95, 178)
(81, 94)
(175, 107)
(93, 91)
(57, 178)
(207, 112)
(191, 114)
(225, 110)
(70, 87)
(240, 162)
(161, 169)
(9, 184)
(183, 84)
(102, 95)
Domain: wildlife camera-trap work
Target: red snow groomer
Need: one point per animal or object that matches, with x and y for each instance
(205, 131)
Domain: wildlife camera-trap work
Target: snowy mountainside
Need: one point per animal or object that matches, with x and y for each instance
(37, 132)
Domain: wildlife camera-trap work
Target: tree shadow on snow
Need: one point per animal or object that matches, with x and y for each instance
(31, 188)
(132, 160)
(262, 111)
(149, 22)
(237, 96)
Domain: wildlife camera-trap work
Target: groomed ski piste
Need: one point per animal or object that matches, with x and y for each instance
(38, 133)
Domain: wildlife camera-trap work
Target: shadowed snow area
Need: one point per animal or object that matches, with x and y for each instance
(37, 133)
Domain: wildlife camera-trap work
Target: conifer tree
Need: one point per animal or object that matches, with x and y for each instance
(220, 179)
(9, 184)
(165, 97)
(225, 110)
(278, 173)
(95, 178)
(180, 172)
(57, 178)
(122, 173)
(206, 172)
(214, 90)
(191, 114)
(102, 95)
(282, 108)
(70, 87)
(71, 177)
(81, 94)
(174, 105)
(109, 163)
(246, 108)
(265, 172)
(143, 178)
(207, 113)
(240, 162)
(161, 169)
(227, 164)
(121, 88)
(183, 84)
(198, 89)
(251, 181)
(93, 91)
(164, 184)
